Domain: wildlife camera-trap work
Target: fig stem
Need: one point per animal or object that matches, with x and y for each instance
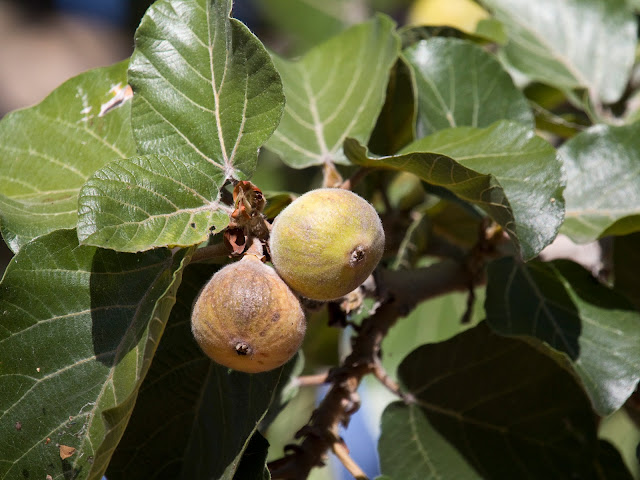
(381, 374)
(255, 248)
(331, 176)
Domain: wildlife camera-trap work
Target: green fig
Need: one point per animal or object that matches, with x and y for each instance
(326, 243)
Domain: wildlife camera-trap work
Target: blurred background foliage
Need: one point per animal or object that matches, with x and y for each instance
(44, 42)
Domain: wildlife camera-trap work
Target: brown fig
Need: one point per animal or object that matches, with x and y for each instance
(246, 318)
(326, 243)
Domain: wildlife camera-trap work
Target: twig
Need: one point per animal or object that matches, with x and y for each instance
(342, 452)
(490, 235)
(381, 374)
(471, 301)
(312, 380)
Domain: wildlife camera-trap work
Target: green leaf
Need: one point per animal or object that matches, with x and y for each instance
(433, 321)
(48, 151)
(410, 449)
(79, 327)
(193, 418)
(395, 127)
(511, 411)
(571, 44)
(309, 23)
(334, 91)
(147, 202)
(563, 126)
(207, 96)
(460, 84)
(527, 168)
(562, 304)
(205, 89)
(603, 170)
(513, 175)
(246, 400)
(491, 30)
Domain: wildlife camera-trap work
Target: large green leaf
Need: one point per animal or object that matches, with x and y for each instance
(410, 449)
(154, 201)
(206, 97)
(513, 175)
(560, 303)
(426, 455)
(193, 418)
(460, 84)
(603, 172)
(511, 411)
(336, 90)
(572, 43)
(48, 151)
(205, 89)
(78, 329)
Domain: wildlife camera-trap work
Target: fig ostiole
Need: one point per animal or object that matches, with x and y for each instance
(326, 243)
(246, 318)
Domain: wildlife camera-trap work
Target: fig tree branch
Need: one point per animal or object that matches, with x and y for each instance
(342, 452)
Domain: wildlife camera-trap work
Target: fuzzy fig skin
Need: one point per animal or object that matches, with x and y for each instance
(246, 318)
(326, 243)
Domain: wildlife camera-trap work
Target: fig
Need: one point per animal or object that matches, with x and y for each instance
(246, 318)
(326, 243)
